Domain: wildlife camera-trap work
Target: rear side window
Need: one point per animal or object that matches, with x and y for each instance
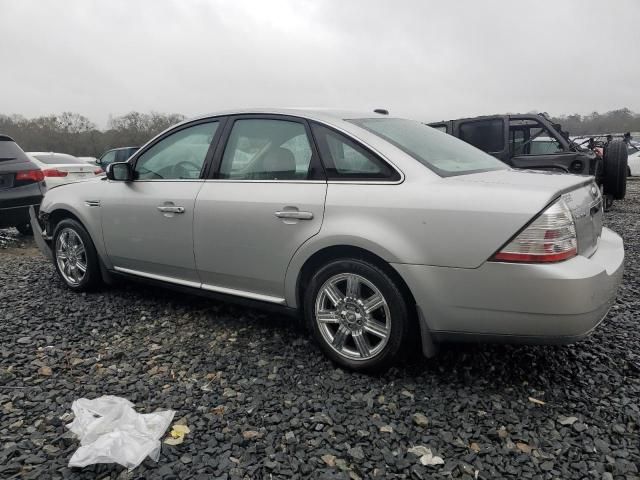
(487, 135)
(9, 150)
(344, 159)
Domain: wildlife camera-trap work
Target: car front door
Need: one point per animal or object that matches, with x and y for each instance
(266, 198)
(148, 223)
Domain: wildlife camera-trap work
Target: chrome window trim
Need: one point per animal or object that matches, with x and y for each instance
(162, 180)
(220, 116)
(203, 286)
(233, 180)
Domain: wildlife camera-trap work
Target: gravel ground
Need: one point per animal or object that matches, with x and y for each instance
(262, 402)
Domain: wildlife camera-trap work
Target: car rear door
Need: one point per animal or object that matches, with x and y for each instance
(148, 222)
(264, 200)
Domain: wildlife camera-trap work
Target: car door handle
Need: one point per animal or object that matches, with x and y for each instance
(294, 214)
(164, 209)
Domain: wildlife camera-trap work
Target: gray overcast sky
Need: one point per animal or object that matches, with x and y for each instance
(424, 59)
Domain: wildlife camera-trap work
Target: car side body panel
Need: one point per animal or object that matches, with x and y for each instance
(241, 243)
(82, 199)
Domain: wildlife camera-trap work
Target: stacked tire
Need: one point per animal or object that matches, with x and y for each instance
(615, 169)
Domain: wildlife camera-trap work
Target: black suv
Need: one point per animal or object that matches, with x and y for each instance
(533, 141)
(21, 186)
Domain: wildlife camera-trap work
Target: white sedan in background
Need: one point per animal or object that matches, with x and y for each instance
(89, 160)
(61, 168)
(634, 160)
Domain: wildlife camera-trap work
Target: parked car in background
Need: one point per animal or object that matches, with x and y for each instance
(513, 139)
(21, 186)
(380, 231)
(116, 155)
(60, 168)
(634, 159)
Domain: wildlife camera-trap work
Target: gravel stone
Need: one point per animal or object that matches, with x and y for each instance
(229, 370)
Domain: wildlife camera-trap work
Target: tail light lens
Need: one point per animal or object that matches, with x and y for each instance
(54, 172)
(28, 176)
(551, 237)
(98, 171)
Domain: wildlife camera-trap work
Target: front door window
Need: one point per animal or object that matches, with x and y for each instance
(179, 156)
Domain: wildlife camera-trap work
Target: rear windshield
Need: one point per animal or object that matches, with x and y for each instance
(58, 158)
(442, 153)
(9, 150)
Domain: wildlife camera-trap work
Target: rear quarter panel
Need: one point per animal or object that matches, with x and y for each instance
(426, 221)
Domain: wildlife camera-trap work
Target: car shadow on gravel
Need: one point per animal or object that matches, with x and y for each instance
(475, 362)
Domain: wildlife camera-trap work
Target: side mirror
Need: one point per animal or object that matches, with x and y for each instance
(120, 172)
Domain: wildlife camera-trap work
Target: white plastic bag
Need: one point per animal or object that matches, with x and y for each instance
(110, 430)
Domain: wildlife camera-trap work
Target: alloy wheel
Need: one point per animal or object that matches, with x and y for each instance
(71, 256)
(353, 316)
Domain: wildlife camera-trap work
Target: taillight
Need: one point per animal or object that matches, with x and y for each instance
(551, 237)
(29, 176)
(54, 172)
(98, 171)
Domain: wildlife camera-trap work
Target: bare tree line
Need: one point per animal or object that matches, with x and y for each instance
(76, 134)
(614, 121)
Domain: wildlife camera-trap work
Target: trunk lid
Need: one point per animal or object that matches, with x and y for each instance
(581, 194)
(74, 171)
(586, 205)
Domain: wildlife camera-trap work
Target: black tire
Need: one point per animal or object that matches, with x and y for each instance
(399, 321)
(25, 229)
(91, 278)
(615, 169)
(608, 202)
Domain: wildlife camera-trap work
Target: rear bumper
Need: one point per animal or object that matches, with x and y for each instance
(556, 303)
(15, 203)
(15, 216)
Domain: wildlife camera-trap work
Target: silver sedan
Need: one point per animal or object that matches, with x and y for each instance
(380, 232)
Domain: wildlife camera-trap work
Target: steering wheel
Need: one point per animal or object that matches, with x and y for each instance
(182, 170)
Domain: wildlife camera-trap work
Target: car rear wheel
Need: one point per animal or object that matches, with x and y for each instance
(357, 314)
(615, 169)
(74, 256)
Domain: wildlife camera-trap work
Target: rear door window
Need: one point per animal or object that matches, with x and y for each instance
(487, 135)
(267, 149)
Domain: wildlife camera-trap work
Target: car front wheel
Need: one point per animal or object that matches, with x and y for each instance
(357, 314)
(74, 256)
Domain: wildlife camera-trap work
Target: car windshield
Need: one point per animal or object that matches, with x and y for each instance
(440, 152)
(57, 158)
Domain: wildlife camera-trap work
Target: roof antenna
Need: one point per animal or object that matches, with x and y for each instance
(381, 111)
